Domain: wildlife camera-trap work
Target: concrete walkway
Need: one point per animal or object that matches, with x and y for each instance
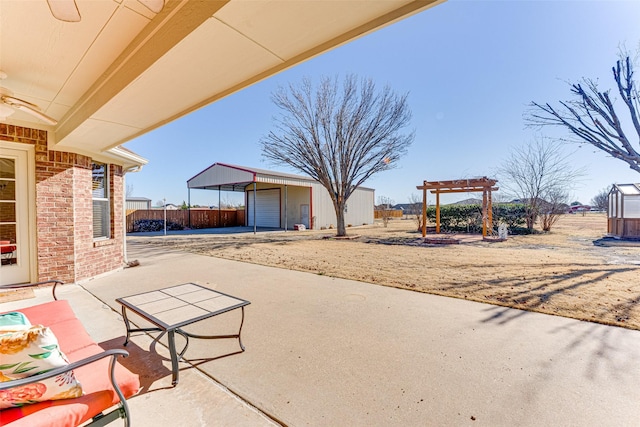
(332, 352)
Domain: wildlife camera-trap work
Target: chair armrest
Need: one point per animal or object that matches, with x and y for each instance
(114, 353)
(29, 285)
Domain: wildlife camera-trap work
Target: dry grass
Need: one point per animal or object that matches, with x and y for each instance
(561, 272)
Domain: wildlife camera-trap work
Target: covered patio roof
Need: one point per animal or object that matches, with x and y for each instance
(130, 66)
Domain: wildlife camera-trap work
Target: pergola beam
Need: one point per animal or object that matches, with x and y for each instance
(463, 190)
(458, 183)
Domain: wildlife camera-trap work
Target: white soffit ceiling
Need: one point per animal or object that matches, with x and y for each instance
(122, 70)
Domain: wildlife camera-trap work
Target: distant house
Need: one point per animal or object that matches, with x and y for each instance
(578, 208)
(466, 202)
(408, 208)
(137, 203)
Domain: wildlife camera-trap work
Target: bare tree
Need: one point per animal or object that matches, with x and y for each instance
(384, 207)
(601, 200)
(591, 116)
(129, 191)
(415, 201)
(554, 206)
(339, 135)
(540, 175)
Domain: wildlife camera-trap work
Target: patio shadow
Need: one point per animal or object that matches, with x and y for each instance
(147, 364)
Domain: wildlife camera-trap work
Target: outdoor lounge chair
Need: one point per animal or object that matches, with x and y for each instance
(105, 383)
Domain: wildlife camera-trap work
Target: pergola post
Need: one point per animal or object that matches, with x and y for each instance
(484, 212)
(490, 211)
(424, 209)
(437, 212)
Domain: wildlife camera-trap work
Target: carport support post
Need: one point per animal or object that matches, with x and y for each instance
(285, 208)
(254, 208)
(188, 206)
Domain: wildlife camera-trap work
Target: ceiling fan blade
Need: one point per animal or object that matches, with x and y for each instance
(64, 10)
(29, 108)
(154, 6)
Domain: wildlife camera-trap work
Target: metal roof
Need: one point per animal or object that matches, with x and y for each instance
(226, 177)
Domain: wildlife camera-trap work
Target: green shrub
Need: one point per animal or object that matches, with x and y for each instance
(468, 218)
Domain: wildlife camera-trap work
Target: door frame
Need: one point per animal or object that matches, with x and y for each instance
(30, 185)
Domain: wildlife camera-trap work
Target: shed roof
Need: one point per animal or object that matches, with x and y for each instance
(627, 189)
(226, 177)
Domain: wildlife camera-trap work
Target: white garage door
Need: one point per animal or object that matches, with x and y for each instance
(267, 208)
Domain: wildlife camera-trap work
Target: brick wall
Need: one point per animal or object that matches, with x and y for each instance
(64, 227)
(99, 256)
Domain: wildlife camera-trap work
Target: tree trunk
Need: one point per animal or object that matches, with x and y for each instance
(342, 231)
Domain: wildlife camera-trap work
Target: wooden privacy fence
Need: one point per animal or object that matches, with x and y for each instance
(394, 213)
(200, 218)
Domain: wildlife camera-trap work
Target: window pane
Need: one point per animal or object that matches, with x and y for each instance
(7, 168)
(8, 249)
(629, 189)
(99, 189)
(7, 212)
(8, 233)
(632, 207)
(7, 190)
(100, 194)
(101, 218)
(612, 204)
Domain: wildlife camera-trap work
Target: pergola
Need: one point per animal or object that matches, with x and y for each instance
(484, 184)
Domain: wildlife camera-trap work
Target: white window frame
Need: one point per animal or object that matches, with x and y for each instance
(105, 227)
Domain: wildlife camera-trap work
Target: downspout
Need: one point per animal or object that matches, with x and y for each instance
(255, 221)
(124, 210)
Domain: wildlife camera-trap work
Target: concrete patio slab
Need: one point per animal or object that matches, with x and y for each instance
(324, 351)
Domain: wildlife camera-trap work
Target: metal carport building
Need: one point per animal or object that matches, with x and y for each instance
(280, 200)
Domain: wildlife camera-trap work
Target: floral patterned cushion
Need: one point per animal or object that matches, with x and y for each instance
(24, 353)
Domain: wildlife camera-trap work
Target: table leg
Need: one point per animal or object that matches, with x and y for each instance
(174, 357)
(188, 335)
(126, 322)
(240, 330)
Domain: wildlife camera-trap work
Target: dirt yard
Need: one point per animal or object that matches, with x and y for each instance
(562, 272)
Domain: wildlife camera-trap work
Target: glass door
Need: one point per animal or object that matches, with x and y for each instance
(14, 246)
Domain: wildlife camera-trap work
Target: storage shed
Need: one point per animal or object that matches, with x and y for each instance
(624, 211)
(282, 200)
(135, 203)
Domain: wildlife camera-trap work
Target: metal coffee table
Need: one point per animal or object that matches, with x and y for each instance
(175, 307)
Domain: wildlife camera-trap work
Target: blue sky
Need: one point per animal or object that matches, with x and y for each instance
(470, 68)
